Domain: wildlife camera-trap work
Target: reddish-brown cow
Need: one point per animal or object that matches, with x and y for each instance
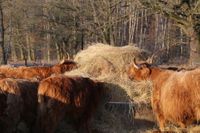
(175, 94)
(38, 73)
(18, 102)
(73, 97)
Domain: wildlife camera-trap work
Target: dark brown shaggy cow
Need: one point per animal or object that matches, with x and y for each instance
(18, 102)
(38, 73)
(175, 94)
(73, 97)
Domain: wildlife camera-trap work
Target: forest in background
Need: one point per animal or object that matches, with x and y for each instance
(37, 30)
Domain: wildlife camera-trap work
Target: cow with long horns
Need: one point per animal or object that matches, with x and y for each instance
(175, 95)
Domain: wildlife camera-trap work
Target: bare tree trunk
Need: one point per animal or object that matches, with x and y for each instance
(48, 36)
(164, 31)
(13, 55)
(168, 36)
(110, 27)
(28, 46)
(134, 24)
(130, 26)
(4, 59)
(156, 31)
(21, 53)
(194, 50)
(96, 20)
(48, 47)
(136, 27)
(58, 51)
(33, 51)
(25, 57)
(145, 26)
(82, 39)
(181, 40)
(141, 29)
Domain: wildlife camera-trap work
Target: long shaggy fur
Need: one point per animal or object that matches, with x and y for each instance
(175, 94)
(38, 73)
(18, 102)
(73, 97)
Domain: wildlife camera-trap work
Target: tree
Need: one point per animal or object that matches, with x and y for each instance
(4, 59)
(186, 15)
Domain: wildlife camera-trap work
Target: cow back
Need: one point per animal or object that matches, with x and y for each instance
(178, 98)
(19, 101)
(74, 97)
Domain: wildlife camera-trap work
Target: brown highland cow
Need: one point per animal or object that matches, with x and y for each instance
(75, 98)
(175, 94)
(38, 73)
(18, 102)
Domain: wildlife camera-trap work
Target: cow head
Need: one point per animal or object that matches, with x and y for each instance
(65, 65)
(138, 71)
(68, 65)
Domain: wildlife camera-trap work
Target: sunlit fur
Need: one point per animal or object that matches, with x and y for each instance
(38, 73)
(140, 73)
(175, 95)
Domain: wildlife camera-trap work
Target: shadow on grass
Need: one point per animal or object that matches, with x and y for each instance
(142, 124)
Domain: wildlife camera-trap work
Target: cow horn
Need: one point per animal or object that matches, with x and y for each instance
(62, 61)
(66, 57)
(135, 64)
(150, 59)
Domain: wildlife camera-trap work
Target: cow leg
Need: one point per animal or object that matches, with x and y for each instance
(161, 121)
(82, 126)
(155, 103)
(159, 116)
(87, 128)
(181, 124)
(12, 112)
(49, 119)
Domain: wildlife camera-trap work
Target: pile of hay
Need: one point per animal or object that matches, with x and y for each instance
(108, 64)
(101, 60)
